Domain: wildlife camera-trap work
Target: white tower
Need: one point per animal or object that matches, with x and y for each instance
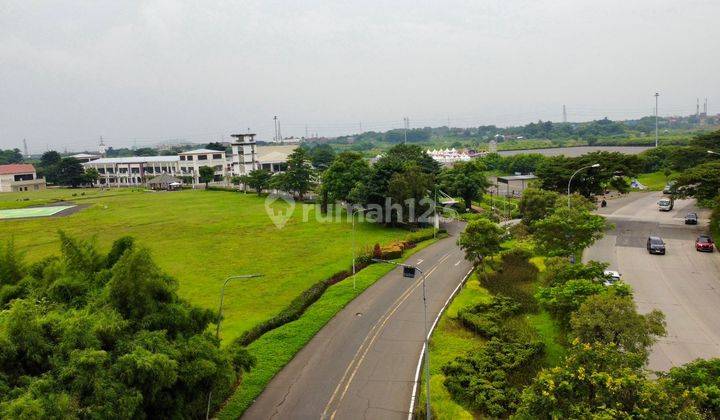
(243, 154)
(101, 147)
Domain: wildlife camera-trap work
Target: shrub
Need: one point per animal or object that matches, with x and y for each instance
(561, 301)
(490, 380)
(486, 319)
(700, 380)
(391, 252)
(514, 278)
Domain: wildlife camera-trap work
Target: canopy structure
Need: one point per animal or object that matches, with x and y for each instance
(517, 181)
(164, 182)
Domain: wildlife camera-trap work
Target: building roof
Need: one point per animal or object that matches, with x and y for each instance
(135, 159)
(84, 156)
(505, 179)
(201, 152)
(16, 168)
(274, 153)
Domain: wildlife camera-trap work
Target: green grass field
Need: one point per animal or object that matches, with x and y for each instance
(200, 238)
(655, 181)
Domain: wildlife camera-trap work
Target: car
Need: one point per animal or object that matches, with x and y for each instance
(691, 219)
(704, 243)
(665, 204)
(669, 187)
(611, 277)
(655, 245)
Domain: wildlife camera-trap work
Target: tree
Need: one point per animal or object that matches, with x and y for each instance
(701, 182)
(609, 318)
(322, 156)
(216, 146)
(145, 151)
(106, 337)
(564, 299)
(10, 156)
(50, 158)
(465, 180)
(407, 189)
(536, 204)
(601, 381)
(69, 172)
(480, 240)
(701, 381)
(344, 174)
(567, 231)
(709, 141)
(259, 179)
(207, 174)
(91, 176)
(298, 178)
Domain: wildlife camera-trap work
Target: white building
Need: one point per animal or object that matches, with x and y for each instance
(135, 170)
(20, 177)
(190, 163)
(448, 156)
(246, 156)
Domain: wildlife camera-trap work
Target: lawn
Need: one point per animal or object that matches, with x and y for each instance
(655, 181)
(200, 238)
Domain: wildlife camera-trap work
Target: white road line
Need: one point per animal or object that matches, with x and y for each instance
(419, 261)
(458, 263)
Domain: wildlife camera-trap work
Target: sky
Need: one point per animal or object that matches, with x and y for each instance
(144, 72)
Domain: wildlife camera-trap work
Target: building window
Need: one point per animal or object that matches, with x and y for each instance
(218, 156)
(135, 170)
(182, 157)
(110, 170)
(101, 170)
(202, 157)
(189, 158)
(123, 170)
(218, 167)
(149, 169)
(157, 169)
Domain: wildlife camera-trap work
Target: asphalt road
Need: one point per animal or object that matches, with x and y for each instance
(363, 363)
(684, 283)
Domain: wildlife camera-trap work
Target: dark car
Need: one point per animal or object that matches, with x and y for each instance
(655, 245)
(704, 243)
(691, 219)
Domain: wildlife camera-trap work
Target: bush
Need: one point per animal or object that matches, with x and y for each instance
(701, 381)
(561, 301)
(486, 319)
(514, 278)
(491, 379)
(391, 252)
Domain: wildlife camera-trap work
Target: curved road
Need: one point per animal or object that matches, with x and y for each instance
(363, 363)
(684, 284)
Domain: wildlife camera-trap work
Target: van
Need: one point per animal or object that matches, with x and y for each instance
(665, 204)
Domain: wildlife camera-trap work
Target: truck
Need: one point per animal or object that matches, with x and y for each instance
(665, 204)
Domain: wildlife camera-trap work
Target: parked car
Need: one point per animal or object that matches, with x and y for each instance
(611, 277)
(665, 204)
(691, 219)
(669, 187)
(655, 245)
(704, 243)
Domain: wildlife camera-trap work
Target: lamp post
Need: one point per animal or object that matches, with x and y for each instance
(597, 165)
(352, 216)
(409, 271)
(656, 118)
(217, 330)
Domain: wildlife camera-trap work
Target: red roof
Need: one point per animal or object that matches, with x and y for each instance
(16, 168)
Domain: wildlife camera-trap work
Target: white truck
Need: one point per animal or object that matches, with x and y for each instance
(665, 204)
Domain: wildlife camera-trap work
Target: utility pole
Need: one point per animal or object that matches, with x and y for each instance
(406, 123)
(27, 155)
(697, 107)
(280, 137)
(564, 114)
(656, 118)
(306, 131)
(275, 136)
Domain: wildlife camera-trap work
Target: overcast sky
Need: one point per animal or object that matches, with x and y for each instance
(148, 71)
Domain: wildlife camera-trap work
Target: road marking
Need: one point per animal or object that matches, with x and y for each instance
(377, 328)
(458, 263)
(419, 261)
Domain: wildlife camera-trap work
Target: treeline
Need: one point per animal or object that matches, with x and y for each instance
(87, 335)
(10, 156)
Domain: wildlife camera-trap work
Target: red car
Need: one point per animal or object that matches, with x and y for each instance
(704, 243)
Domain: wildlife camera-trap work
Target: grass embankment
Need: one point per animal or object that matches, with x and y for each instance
(200, 238)
(276, 348)
(655, 181)
(18, 200)
(451, 340)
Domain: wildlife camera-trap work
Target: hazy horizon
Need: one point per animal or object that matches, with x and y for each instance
(147, 72)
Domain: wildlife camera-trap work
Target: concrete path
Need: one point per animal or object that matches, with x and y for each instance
(364, 362)
(684, 284)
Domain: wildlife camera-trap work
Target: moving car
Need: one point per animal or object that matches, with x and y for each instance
(669, 187)
(704, 243)
(611, 277)
(655, 245)
(691, 219)
(665, 204)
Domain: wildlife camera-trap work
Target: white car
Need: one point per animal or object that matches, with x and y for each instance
(611, 277)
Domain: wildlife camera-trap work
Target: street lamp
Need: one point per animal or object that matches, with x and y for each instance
(352, 216)
(217, 330)
(710, 152)
(597, 165)
(409, 271)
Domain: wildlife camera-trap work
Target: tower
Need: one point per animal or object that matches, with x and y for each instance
(564, 114)
(243, 154)
(101, 147)
(697, 107)
(27, 154)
